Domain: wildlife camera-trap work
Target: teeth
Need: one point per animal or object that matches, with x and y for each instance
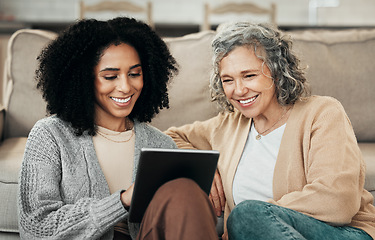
(120, 100)
(248, 100)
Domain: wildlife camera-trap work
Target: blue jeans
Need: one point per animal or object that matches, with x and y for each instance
(253, 219)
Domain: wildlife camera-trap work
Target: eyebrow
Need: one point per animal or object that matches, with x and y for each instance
(135, 66)
(117, 69)
(242, 72)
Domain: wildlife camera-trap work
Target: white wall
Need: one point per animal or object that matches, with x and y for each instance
(290, 12)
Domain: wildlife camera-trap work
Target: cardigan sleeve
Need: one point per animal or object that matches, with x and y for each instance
(333, 168)
(44, 211)
(197, 135)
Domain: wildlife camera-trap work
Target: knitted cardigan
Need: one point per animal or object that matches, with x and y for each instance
(319, 170)
(63, 193)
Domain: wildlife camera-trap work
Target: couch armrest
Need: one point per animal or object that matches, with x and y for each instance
(2, 119)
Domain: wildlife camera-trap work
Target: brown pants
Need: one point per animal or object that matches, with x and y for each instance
(179, 210)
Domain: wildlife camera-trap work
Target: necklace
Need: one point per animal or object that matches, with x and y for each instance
(121, 141)
(110, 136)
(259, 136)
(128, 126)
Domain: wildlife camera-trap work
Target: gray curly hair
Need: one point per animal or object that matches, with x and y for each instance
(288, 77)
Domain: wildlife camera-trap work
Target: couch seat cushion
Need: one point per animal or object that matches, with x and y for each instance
(11, 155)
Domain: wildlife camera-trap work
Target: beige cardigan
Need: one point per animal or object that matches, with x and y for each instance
(319, 170)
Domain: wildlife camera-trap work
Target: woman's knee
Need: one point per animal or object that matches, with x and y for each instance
(181, 184)
(247, 212)
(186, 196)
(248, 219)
(180, 190)
(249, 207)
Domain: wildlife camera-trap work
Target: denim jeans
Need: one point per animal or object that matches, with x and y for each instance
(253, 219)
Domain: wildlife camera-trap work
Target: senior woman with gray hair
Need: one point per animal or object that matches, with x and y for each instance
(290, 166)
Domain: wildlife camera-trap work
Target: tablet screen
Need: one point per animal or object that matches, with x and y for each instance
(158, 166)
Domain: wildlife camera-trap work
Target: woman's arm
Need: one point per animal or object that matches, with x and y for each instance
(198, 135)
(52, 208)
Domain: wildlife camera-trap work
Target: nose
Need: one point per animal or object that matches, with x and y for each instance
(239, 87)
(123, 84)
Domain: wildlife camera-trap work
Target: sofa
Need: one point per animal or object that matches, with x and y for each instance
(338, 63)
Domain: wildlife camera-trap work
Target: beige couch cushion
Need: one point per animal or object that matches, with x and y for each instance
(21, 95)
(3, 53)
(341, 64)
(11, 153)
(189, 94)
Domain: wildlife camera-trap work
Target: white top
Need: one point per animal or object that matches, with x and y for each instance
(254, 174)
(115, 152)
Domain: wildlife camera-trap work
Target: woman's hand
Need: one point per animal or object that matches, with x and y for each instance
(217, 196)
(126, 197)
(224, 236)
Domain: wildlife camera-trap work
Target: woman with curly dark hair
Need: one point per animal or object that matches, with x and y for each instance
(103, 81)
(290, 166)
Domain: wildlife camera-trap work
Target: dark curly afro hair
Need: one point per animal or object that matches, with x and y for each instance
(66, 69)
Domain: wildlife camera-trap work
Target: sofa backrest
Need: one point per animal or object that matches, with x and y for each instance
(341, 64)
(23, 102)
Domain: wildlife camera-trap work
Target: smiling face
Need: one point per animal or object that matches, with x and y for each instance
(118, 84)
(247, 83)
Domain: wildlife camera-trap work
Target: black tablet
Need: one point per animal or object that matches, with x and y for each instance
(158, 166)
